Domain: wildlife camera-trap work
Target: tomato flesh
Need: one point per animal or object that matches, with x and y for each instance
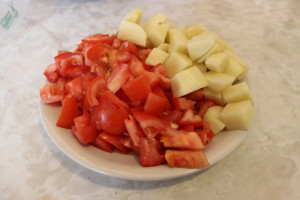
(69, 111)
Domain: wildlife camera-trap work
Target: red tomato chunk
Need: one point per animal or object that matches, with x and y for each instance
(113, 100)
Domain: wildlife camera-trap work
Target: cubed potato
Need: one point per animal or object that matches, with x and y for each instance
(134, 16)
(155, 20)
(213, 95)
(237, 92)
(156, 56)
(201, 66)
(217, 62)
(218, 81)
(212, 115)
(198, 47)
(194, 30)
(233, 68)
(177, 40)
(187, 81)
(176, 62)
(238, 115)
(127, 28)
(164, 47)
(158, 33)
(215, 49)
(238, 60)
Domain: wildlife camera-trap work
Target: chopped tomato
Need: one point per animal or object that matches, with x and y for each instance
(182, 103)
(86, 134)
(74, 87)
(150, 124)
(189, 118)
(68, 112)
(82, 120)
(155, 104)
(134, 131)
(115, 124)
(151, 153)
(181, 139)
(123, 56)
(93, 91)
(118, 77)
(137, 89)
(104, 145)
(196, 95)
(53, 93)
(129, 47)
(103, 113)
(51, 73)
(187, 159)
(172, 116)
(114, 99)
(115, 140)
(95, 51)
(136, 66)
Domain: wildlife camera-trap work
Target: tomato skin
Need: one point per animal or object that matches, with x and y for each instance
(133, 130)
(93, 91)
(187, 159)
(137, 89)
(95, 51)
(115, 124)
(155, 104)
(118, 77)
(151, 153)
(51, 73)
(115, 140)
(68, 112)
(104, 145)
(103, 113)
(150, 124)
(87, 134)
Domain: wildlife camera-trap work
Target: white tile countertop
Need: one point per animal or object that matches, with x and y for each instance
(265, 34)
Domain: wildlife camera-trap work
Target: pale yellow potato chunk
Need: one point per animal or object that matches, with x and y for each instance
(158, 33)
(176, 62)
(197, 47)
(217, 62)
(132, 32)
(134, 16)
(187, 81)
(156, 56)
(238, 115)
(218, 81)
(237, 92)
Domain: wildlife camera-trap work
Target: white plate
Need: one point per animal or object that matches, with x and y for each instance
(127, 166)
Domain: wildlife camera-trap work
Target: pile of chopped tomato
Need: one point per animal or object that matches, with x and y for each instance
(111, 99)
